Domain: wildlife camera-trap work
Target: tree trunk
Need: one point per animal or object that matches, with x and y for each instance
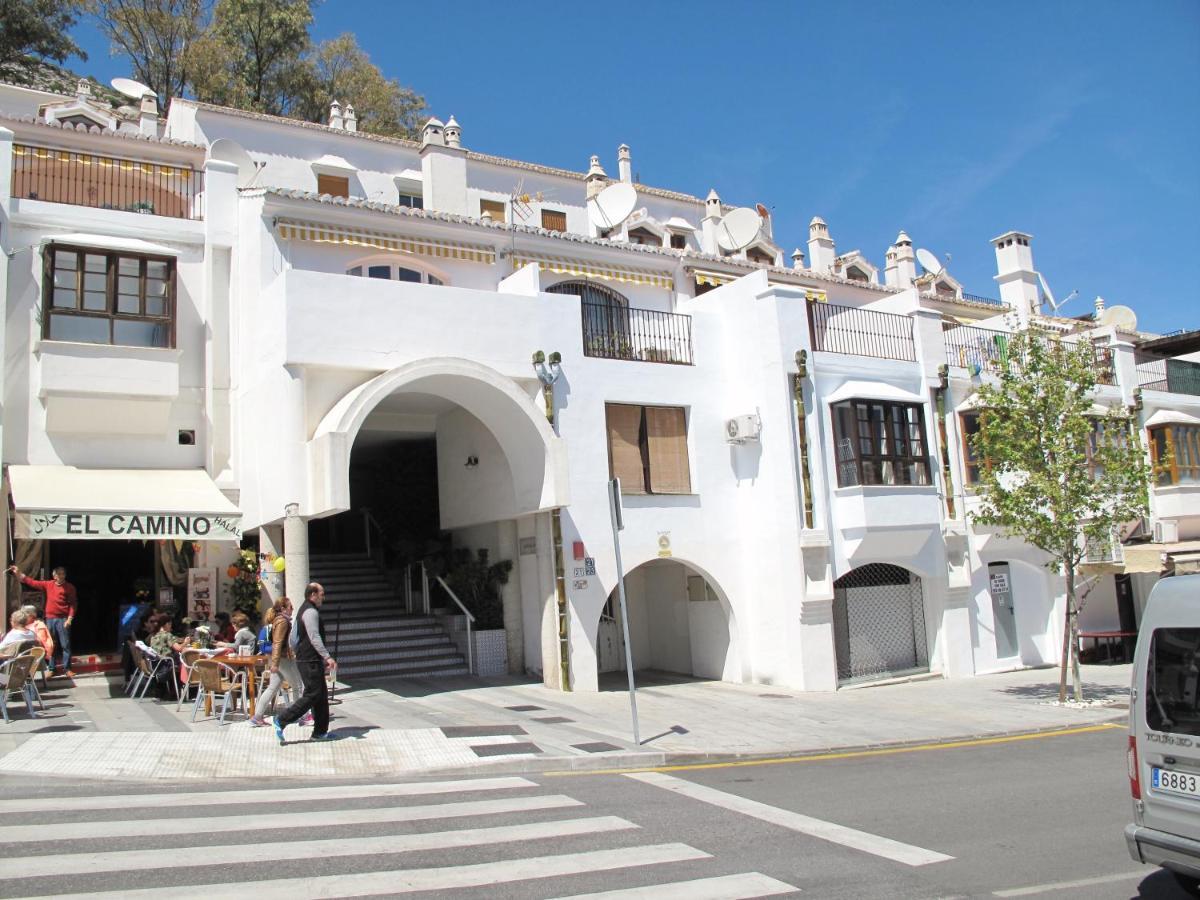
(1066, 650)
(1074, 614)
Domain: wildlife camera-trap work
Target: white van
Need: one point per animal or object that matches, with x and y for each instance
(1164, 731)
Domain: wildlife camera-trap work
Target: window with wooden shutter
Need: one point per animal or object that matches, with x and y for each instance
(553, 220)
(333, 185)
(494, 208)
(647, 448)
(625, 459)
(666, 437)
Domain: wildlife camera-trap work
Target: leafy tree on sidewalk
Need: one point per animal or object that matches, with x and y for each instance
(35, 30)
(1053, 472)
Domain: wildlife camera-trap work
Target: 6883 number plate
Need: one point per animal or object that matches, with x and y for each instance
(1175, 782)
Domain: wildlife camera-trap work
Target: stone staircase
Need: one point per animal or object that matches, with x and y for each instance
(364, 620)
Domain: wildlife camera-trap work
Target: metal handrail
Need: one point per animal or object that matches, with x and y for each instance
(858, 331)
(368, 521)
(470, 619)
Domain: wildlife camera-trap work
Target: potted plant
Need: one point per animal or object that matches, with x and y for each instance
(245, 590)
(143, 206)
(477, 582)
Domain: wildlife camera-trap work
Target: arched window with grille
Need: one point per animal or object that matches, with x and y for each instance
(606, 331)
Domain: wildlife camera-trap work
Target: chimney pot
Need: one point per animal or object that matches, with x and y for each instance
(625, 164)
(335, 115)
(350, 119)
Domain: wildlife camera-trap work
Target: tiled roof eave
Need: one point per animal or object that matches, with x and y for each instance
(101, 132)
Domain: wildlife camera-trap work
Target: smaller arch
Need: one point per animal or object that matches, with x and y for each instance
(879, 625)
(400, 267)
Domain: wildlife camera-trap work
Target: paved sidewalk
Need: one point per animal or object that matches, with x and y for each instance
(407, 727)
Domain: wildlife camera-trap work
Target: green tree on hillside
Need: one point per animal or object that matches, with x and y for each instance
(156, 36)
(36, 30)
(1053, 472)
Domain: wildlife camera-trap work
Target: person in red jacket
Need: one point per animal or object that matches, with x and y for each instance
(61, 603)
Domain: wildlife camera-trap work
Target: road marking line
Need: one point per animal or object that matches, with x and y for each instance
(247, 798)
(296, 822)
(1067, 885)
(402, 881)
(722, 887)
(234, 854)
(846, 754)
(818, 828)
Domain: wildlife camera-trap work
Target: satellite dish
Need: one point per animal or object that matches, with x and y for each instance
(233, 152)
(131, 88)
(612, 206)
(740, 228)
(1048, 295)
(1122, 317)
(929, 262)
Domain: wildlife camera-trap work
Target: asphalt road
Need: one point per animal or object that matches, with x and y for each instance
(1043, 817)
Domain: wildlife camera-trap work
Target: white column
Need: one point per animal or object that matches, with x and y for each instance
(551, 660)
(6, 161)
(295, 546)
(514, 630)
(270, 540)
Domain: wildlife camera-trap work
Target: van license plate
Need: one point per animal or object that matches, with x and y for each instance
(1175, 782)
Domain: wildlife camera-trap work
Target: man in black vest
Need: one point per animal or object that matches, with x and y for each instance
(308, 641)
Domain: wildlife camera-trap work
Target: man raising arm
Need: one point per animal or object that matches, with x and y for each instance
(61, 604)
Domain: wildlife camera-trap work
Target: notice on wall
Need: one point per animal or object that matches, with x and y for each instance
(527, 546)
(202, 588)
(664, 544)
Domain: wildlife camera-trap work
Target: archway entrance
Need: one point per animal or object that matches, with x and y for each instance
(879, 623)
(678, 623)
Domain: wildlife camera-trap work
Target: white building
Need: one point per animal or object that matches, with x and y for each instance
(303, 322)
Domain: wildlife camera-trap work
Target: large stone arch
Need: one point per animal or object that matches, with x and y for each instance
(535, 456)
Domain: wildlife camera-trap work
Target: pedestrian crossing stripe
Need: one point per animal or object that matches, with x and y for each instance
(720, 887)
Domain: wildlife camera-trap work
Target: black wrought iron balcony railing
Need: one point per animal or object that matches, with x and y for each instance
(106, 182)
(646, 335)
(861, 332)
(1158, 373)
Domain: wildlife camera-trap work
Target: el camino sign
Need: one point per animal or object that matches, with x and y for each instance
(126, 525)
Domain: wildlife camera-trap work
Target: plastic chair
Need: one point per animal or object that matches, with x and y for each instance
(39, 658)
(218, 679)
(152, 664)
(188, 676)
(15, 678)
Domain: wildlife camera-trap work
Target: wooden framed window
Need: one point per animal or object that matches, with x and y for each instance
(495, 209)
(333, 185)
(554, 220)
(105, 297)
(759, 256)
(678, 242)
(412, 201)
(968, 428)
(647, 448)
(880, 443)
(1175, 454)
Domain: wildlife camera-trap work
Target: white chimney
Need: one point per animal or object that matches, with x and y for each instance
(1099, 306)
(148, 116)
(1020, 287)
(624, 164)
(821, 249)
(453, 133)
(351, 119)
(901, 270)
(443, 170)
(797, 258)
(335, 115)
(708, 226)
(433, 133)
(597, 178)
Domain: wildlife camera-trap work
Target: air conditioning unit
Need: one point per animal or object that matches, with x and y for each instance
(1166, 532)
(740, 429)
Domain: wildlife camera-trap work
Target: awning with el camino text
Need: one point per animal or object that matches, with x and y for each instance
(55, 502)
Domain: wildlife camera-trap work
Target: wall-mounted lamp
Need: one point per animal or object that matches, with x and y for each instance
(802, 363)
(548, 371)
(1137, 399)
(943, 376)
(472, 462)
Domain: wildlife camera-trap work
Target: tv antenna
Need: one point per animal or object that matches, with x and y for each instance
(1048, 295)
(131, 88)
(739, 229)
(612, 206)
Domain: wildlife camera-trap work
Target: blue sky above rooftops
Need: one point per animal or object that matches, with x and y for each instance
(1076, 122)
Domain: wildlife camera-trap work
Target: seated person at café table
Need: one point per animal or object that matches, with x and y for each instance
(162, 635)
(225, 628)
(244, 637)
(19, 637)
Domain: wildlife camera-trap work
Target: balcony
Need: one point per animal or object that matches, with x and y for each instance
(1178, 376)
(985, 350)
(645, 335)
(106, 182)
(861, 332)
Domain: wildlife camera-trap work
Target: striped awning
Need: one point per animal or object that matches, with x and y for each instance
(716, 279)
(380, 240)
(620, 274)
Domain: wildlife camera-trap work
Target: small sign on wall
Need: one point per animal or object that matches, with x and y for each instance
(527, 546)
(589, 565)
(201, 592)
(664, 544)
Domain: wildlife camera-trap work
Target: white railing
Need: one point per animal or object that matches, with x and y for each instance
(408, 591)
(470, 619)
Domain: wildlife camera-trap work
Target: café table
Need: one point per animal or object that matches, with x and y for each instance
(247, 664)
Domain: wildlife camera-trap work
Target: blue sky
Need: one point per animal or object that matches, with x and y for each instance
(1078, 122)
